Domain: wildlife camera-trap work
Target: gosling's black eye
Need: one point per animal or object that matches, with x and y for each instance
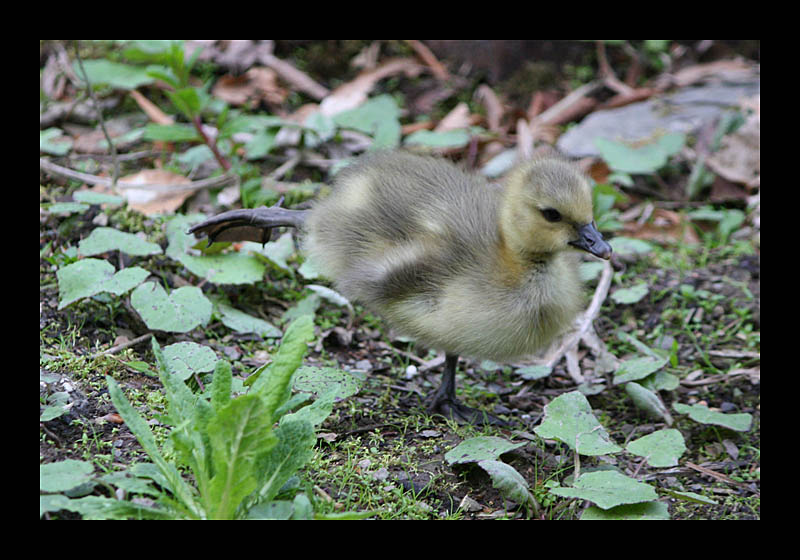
(551, 215)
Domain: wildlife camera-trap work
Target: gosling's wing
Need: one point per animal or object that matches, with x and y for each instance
(248, 224)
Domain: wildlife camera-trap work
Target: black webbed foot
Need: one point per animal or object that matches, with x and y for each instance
(444, 400)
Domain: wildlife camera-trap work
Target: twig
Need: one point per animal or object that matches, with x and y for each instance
(584, 322)
(575, 96)
(89, 89)
(123, 346)
(430, 59)
(609, 78)
(210, 183)
(212, 144)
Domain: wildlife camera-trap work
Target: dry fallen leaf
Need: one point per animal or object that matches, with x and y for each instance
(257, 84)
(154, 200)
(354, 93)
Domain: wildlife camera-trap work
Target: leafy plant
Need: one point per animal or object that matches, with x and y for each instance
(241, 450)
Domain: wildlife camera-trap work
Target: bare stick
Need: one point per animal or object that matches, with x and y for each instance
(55, 169)
(89, 89)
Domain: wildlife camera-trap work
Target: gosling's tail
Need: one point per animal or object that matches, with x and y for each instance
(249, 224)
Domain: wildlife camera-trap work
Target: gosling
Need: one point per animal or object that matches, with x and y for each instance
(446, 257)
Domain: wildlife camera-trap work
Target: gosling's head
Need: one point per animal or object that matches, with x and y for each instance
(547, 207)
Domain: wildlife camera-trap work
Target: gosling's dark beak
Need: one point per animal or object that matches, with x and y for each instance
(591, 240)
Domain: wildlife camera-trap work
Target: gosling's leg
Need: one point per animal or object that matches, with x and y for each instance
(249, 224)
(445, 402)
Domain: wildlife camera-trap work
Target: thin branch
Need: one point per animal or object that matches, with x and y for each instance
(89, 89)
(210, 183)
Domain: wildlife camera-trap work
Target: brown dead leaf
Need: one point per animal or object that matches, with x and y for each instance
(738, 158)
(151, 109)
(354, 93)
(256, 85)
(664, 226)
(152, 200)
(494, 107)
(458, 118)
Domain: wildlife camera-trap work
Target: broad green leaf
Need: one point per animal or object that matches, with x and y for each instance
(114, 74)
(450, 139)
(661, 449)
(509, 482)
(66, 208)
(533, 372)
(64, 475)
(89, 277)
(180, 311)
(240, 434)
(184, 359)
(648, 401)
(225, 268)
(322, 380)
(637, 368)
(481, 448)
(104, 239)
(295, 447)
(377, 117)
(273, 382)
(278, 251)
(306, 306)
(701, 413)
(91, 197)
(54, 141)
(608, 489)
(647, 158)
(241, 322)
(171, 133)
(569, 419)
(631, 512)
(630, 246)
(630, 295)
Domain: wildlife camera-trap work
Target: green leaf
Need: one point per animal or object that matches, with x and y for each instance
(661, 449)
(701, 413)
(171, 477)
(691, 497)
(171, 133)
(509, 482)
(647, 158)
(91, 197)
(241, 322)
(629, 246)
(48, 142)
(450, 139)
(569, 419)
(630, 295)
(481, 448)
(608, 489)
(89, 277)
(221, 386)
(295, 447)
(648, 401)
(532, 373)
(322, 380)
(378, 117)
(64, 475)
(114, 74)
(240, 434)
(104, 239)
(637, 368)
(184, 359)
(186, 100)
(632, 512)
(180, 311)
(273, 382)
